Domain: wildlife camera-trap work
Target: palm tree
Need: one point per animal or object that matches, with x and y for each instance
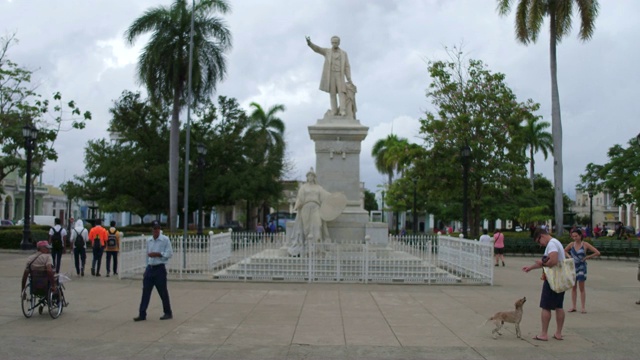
(265, 131)
(390, 155)
(267, 128)
(163, 66)
(536, 139)
(530, 15)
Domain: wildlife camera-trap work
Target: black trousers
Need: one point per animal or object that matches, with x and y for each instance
(112, 255)
(56, 257)
(155, 276)
(97, 259)
(79, 258)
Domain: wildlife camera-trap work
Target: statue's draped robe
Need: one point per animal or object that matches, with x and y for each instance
(308, 221)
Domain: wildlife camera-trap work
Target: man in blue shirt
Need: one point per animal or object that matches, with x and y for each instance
(159, 252)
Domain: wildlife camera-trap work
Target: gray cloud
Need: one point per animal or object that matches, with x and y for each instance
(78, 47)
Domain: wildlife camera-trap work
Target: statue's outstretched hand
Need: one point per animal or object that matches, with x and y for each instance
(308, 40)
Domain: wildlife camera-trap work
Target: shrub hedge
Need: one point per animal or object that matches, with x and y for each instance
(11, 236)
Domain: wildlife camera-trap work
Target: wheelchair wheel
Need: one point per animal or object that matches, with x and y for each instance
(28, 301)
(55, 303)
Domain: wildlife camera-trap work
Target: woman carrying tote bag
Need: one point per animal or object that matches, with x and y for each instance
(549, 299)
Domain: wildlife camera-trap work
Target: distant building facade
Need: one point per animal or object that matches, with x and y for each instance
(47, 200)
(604, 211)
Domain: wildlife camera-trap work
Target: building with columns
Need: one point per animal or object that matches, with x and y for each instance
(604, 210)
(47, 200)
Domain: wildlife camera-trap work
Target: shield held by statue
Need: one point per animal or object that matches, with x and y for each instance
(332, 206)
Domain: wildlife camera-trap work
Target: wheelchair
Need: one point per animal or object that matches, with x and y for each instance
(37, 294)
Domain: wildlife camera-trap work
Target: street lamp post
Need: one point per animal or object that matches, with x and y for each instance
(382, 205)
(415, 214)
(30, 134)
(202, 151)
(465, 154)
(590, 212)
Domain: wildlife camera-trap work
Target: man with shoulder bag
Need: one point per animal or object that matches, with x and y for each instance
(549, 299)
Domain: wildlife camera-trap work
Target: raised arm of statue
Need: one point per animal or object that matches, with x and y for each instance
(315, 47)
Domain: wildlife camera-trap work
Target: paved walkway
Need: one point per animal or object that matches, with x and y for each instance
(214, 320)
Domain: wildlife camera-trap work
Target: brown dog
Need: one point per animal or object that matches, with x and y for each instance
(513, 317)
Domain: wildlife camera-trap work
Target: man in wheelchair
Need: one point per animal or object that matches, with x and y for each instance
(42, 288)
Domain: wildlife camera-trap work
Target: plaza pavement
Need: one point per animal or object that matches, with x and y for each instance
(223, 320)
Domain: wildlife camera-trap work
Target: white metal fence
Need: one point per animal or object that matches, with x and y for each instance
(246, 256)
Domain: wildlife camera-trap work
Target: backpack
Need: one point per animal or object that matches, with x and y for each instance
(79, 243)
(111, 240)
(56, 239)
(96, 242)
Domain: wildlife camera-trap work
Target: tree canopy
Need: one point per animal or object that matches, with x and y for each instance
(620, 176)
(21, 105)
(164, 66)
(473, 107)
(133, 165)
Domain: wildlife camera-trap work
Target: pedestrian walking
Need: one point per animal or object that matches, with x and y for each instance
(57, 236)
(79, 237)
(112, 248)
(498, 246)
(98, 237)
(159, 252)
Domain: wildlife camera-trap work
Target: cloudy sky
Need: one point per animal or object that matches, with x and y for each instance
(77, 48)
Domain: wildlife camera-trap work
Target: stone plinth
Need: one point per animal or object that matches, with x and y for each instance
(338, 144)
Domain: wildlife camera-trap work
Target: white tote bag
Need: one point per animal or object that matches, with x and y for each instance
(561, 277)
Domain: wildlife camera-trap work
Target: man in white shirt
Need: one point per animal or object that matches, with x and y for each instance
(549, 299)
(485, 238)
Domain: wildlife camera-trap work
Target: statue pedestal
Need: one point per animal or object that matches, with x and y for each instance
(337, 144)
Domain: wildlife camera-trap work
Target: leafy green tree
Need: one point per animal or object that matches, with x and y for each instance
(620, 176)
(20, 105)
(530, 15)
(126, 174)
(536, 139)
(265, 131)
(370, 202)
(235, 170)
(391, 155)
(163, 66)
(473, 107)
(221, 128)
(388, 155)
(536, 214)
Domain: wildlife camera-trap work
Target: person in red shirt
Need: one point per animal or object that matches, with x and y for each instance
(98, 238)
(498, 246)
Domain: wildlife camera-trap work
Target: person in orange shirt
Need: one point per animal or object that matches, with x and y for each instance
(98, 238)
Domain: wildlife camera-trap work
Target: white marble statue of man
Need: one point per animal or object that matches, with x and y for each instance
(336, 68)
(309, 224)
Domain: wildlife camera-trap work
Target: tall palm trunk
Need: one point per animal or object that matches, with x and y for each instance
(174, 144)
(556, 126)
(531, 166)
